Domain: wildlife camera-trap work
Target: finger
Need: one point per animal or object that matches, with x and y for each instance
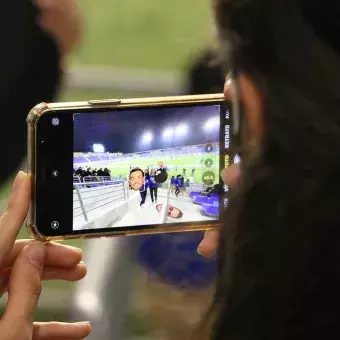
(231, 175)
(250, 97)
(208, 246)
(226, 90)
(24, 286)
(57, 255)
(50, 273)
(75, 274)
(64, 331)
(14, 216)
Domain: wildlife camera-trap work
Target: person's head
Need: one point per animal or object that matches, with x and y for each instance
(280, 241)
(172, 211)
(152, 172)
(136, 178)
(281, 67)
(205, 74)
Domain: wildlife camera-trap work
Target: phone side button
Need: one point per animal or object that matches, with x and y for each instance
(104, 101)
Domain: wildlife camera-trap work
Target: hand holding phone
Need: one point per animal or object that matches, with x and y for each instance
(23, 265)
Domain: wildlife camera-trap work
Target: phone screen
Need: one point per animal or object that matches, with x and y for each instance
(139, 167)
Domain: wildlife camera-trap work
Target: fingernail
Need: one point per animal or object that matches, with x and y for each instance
(200, 253)
(36, 254)
(199, 249)
(75, 249)
(224, 173)
(18, 183)
(87, 323)
(54, 244)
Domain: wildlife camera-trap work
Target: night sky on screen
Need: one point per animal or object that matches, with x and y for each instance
(123, 131)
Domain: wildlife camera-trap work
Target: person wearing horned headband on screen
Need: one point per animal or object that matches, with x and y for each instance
(153, 186)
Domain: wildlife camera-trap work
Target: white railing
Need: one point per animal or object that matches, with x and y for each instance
(90, 196)
(164, 211)
(77, 179)
(88, 179)
(96, 179)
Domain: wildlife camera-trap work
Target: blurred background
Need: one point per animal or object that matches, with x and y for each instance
(150, 287)
(133, 48)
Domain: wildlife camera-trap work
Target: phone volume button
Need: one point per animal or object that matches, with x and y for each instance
(104, 101)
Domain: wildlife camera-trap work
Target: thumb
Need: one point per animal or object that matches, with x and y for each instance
(24, 286)
(209, 244)
(231, 175)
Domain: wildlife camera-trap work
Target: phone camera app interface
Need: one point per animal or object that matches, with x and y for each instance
(146, 167)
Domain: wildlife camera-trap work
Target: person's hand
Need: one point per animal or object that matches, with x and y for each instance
(23, 264)
(210, 241)
(62, 20)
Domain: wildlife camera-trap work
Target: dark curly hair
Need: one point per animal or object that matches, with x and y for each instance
(279, 253)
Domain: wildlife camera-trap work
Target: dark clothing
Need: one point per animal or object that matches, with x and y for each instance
(143, 197)
(152, 182)
(153, 192)
(145, 186)
(206, 75)
(177, 191)
(179, 183)
(30, 74)
(217, 189)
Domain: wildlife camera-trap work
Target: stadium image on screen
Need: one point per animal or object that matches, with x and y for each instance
(146, 167)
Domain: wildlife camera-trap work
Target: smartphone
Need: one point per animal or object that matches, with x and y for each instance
(128, 167)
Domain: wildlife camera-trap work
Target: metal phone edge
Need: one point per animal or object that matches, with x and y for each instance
(40, 109)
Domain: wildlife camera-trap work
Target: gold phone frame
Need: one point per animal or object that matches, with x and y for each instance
(43, 108)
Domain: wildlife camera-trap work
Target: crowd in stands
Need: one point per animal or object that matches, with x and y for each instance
(80, 158)
(173, 152)
(89, 172)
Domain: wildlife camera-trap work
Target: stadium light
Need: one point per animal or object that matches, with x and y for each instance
(147, 137)
(98, 148)
(168, 133)
(211, 124)
(182, 130)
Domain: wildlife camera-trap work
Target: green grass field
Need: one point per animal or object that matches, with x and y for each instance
(144, 34)
(176, 165)
(122, 168)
